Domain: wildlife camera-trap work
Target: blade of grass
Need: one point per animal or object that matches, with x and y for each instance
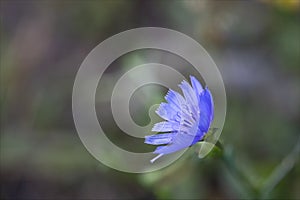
(280, 171)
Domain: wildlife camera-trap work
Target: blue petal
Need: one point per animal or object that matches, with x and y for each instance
(180, 141)
(206, 110)
(196, 86)
(187, 118)
(167, 112)
(175, 100)
(166, 127)
(159, 139)
(190, 96)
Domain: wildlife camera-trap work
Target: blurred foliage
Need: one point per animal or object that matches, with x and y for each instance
(256, 46)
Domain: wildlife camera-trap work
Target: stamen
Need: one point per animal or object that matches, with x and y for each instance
(157, 157)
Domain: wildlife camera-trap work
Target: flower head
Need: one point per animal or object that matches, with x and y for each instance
(187, 118)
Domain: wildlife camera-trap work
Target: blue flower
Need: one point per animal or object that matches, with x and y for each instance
(187, 118)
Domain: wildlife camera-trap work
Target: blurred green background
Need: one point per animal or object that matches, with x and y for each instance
(255, 44)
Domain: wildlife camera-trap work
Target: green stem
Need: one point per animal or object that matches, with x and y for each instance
(231, 165)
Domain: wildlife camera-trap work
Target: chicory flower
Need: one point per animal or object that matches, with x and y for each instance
(187, 118)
